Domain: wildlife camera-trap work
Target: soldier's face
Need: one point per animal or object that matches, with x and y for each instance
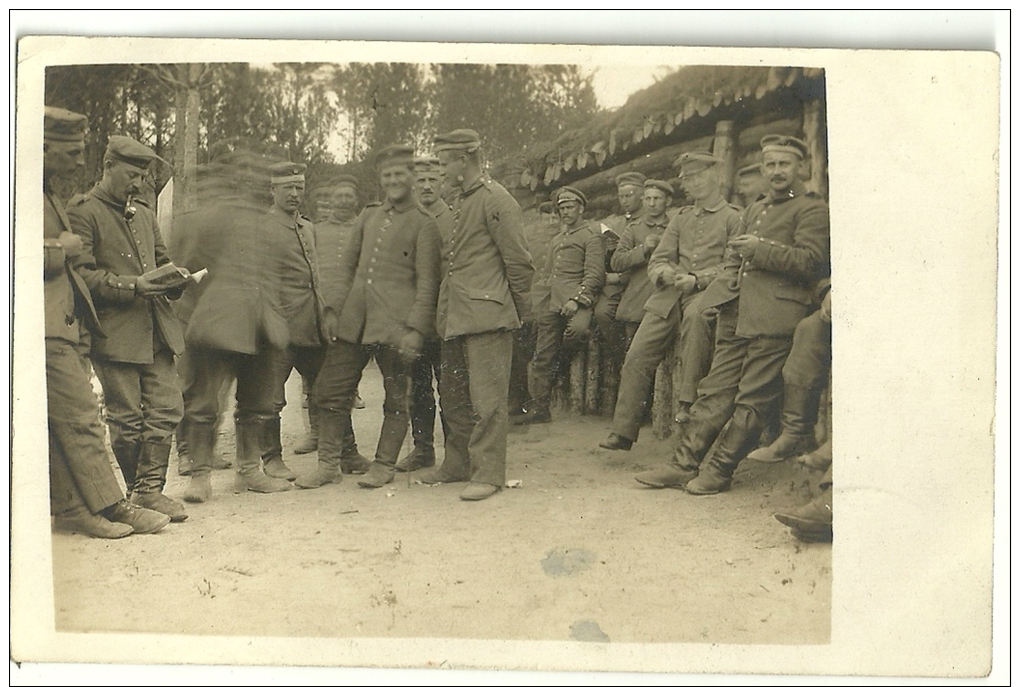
(750, 186)
(344, 198)
(655, 202)
(397, 182)
(570, 211)
(63, 158)
(701, 184)
(629, 197)
(428, 186)
(289, 196)
(123, 179)
(780, 170)
(452, 167)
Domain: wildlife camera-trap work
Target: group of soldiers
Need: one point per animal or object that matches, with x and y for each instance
(436, 282)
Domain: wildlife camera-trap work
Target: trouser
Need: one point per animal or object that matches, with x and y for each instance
(524, 349)
(337, 385)
(473, 395)
(80, 469)
(745, 375)
(811, 354)
(144, 405)
(423, 399)
(652, 341)
(555, 332)
(307, 360)
(188, 365)
(611, 330)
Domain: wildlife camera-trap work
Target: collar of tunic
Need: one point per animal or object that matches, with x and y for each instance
(403, 206)
(699, 208)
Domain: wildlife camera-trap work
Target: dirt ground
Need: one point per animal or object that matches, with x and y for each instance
(580, 551)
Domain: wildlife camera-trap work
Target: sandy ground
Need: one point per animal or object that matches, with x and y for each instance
(580, 551)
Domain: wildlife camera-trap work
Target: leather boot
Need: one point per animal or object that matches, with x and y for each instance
(735, 441)
(81, 520)
(249, 475)
(331, 441)
(181, 440)
(272, 457)
(812, 521)
(535, 412)
(127, 459)
(693, 442)
(800, 413)
(351, 460)
(311, 441)
(153, 462)
(819, 459)
(391, 438)
(201, 439)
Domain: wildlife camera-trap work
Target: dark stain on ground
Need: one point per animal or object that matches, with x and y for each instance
(565, 562)
(588, 631)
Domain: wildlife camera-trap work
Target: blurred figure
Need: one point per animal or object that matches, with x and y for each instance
(751, 185)
(135, 361)
(84, 494)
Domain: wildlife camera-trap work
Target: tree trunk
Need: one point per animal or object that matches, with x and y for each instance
(724, 147)
(186, 138)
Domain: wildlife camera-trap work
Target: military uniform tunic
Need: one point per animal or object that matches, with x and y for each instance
(631, 258)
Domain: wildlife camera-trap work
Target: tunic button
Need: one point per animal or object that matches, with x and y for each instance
(369, 281)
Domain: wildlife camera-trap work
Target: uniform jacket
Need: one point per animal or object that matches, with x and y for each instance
(631, 258)
(236, 307)
(695, 241)
(292, 246)
(575, 267)
(66, 296)
(775, 285)
(331, 238)
(487, 270)
(389, 276)
(618, 223)
(117, 251)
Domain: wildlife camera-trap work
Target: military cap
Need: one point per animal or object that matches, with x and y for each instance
(63, 125)
(286, 172)
(661, 185)
(693, 162)
(631, 178)
(569, 193)
(397, 154)
(131, 151)
(777, 143)
(426, 164)
(460, 139)
(749, 169)
(344, 180)
(547, 208)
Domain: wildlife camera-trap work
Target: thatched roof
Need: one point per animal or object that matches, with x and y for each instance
(680, 105)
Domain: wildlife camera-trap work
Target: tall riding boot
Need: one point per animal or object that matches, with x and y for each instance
(201, 438)
(331, 438)
(537, 410)
(249, 475)
(694, 440)
(153, 462)
(181, 440)
(800, 413)
(272, 446)
(737, 437)
(391, 438)
(351, 460)
(127, 459)
(311, 441)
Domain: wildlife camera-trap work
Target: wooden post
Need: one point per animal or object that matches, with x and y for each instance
(577, 379)
(724, 146)
(662, 401)
(593, 376)
(814, 135)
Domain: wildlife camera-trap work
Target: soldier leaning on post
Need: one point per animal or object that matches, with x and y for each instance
(763, 292)
(562, 301)
(688, 257)
(384, 307)
(135, 361)
(84, 494)
(483, 298)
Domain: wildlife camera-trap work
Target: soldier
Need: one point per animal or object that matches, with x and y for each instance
(687, 259)
(750, 184)
(764, 291)
(330, 240)
(135, 361)
(630, 258)
(630, 194)
(428, 184)
(563, 299)
(300, 299)
(384, 307)
(483, 297)
(84, 494)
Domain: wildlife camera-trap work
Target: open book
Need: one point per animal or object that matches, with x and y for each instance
(171, 276)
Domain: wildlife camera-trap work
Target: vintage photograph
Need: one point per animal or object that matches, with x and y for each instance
(412, 349)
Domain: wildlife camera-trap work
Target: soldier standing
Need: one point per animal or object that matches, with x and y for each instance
(763, 292)
(384, 307)
(483, 298)
(575, 273)
(135, 361)
(84, 494)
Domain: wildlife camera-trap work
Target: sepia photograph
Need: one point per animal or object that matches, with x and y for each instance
(411, 355)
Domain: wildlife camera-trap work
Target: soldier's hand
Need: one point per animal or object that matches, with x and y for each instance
(71, 243)
(612, 278)
(410, 344)
(685, 282)
(651, 241)
(827, 307)
(569, 308)
(744, 245)
(330, 324)
(146, 289)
